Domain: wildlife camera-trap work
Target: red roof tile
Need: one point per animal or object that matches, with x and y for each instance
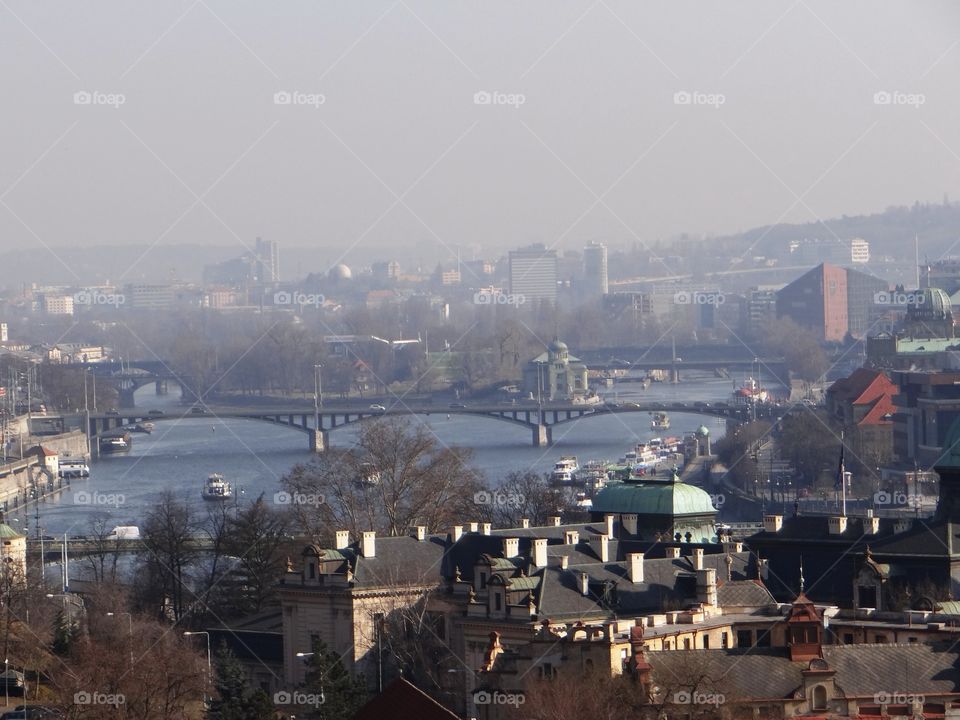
(403, 701)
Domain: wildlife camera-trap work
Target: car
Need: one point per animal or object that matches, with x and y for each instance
(112, 411)
(381, 408)
(631, 405)
(197, 410)
(457, 405)
(155, 412)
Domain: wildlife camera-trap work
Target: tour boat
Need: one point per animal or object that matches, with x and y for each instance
(216, 488)
(115, 444)
(564, 472)
(661, 421)
(74, 469)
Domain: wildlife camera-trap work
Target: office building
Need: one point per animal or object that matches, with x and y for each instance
(533, 273)
(595, 270)
(267, 254)
(3, 332)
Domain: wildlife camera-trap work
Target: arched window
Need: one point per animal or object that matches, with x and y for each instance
(819, 698)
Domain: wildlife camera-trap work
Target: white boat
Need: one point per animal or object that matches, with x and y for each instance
(216, 488)
(565, 470)
(661, 421)
(74, 469)
(645, 458)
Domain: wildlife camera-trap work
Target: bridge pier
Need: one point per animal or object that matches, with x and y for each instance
(126, 398)
(319, 441)
(161, 387)
(542, 435)
(674, 375)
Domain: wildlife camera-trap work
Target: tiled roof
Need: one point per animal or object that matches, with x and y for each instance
(861, 670)
(743, 593)
(400, 560)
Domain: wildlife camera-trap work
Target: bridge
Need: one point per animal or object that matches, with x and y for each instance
(538, 419)
(128, 377)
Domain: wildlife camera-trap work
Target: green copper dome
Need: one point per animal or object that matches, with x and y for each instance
(8, 532)
(653, 498)
(703, 431)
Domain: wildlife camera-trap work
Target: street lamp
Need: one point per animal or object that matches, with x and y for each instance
(130, 626)
(209, 663)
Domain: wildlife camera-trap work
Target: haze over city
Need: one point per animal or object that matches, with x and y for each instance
(414, 360)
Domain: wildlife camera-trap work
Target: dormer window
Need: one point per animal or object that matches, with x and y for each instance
(483, 580)
(312, 571)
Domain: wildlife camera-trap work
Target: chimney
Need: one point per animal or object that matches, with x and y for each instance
(524, 522)
(609, 517)
(571, 537)
(707, 586)
(603, 547)
(871, 525)
(553, 521)
(732, 546)
(635, 567)
(697, 559)
(772, 523)
(368, 544)
(629, 523)
(673, 552)
(511, 547)
(584, 584)
(540, 552)
(837, 525)
(342, 539)
(564, 562)
(421, 532)
(474, 527)
(486, 528)
(456, 532)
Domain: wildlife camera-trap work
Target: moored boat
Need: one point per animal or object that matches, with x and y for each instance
(660, 421)
(565, 470)
(113, 444)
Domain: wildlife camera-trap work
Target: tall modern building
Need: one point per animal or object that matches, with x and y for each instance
(267, 260)
(533, 273)
(595, 270)
(831, 301)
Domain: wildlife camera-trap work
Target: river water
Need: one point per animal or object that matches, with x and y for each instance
(254, 455)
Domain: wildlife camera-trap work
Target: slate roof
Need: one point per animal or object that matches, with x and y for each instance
(402, 701)
(743, 593)
(397, 560)
(768, 673)
(254, 637)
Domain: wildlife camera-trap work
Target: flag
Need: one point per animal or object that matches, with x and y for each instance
(838, 483)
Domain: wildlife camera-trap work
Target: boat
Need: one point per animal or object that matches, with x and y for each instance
(750, 392)
(216, 488)
(661, 421)
(74, 469)
(565, 470)
(645, 458)
(113, 444)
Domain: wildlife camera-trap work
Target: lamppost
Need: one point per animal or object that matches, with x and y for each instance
(130, 626)
(209, 663)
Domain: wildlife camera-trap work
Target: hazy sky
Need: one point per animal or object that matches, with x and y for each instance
(386, 143)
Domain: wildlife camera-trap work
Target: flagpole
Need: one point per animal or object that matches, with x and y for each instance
(843, 480)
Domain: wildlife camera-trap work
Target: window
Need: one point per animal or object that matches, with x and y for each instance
(483, 580)
(313, 571)
(314, 640)
(706, 642)
(763, 638)
(498, 601)
(686, 644)
(819, 698)
(744, 638)
(724, 640)
(668, 644)
(848, 638)
(880, 639)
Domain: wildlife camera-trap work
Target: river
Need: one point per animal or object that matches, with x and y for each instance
(255, 455)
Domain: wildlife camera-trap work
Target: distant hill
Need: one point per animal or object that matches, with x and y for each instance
(889, 233)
